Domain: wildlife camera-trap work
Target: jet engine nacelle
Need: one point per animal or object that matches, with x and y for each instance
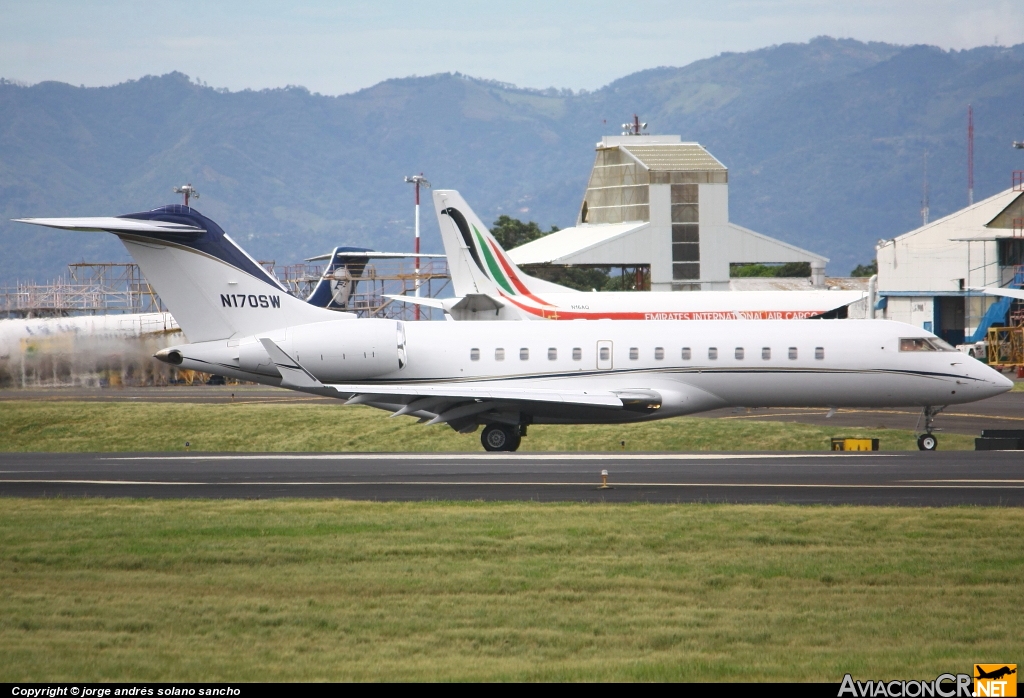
(334, 352)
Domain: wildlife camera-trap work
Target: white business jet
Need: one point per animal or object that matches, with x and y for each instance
(489, 286)
(241, 322)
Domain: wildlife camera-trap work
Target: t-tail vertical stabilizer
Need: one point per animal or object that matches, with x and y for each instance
(466, 236)
(212, 287)
(339, 280)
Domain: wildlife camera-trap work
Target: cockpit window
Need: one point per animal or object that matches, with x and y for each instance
(941, 344)
(924, 344)
(915, 344)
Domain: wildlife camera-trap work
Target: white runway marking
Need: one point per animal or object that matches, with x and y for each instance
(517, 457)
(1009, 482)
(107, 482)
(589, 485)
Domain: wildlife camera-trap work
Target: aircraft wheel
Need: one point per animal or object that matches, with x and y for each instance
(500, 437)
(927, 442)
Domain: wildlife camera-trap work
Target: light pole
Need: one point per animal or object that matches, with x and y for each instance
(417, 181)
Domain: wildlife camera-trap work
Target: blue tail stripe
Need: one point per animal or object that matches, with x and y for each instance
(213, 242)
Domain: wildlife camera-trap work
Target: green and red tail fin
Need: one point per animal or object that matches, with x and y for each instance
(479, 254)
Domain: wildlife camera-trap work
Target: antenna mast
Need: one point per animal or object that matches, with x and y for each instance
(635, 128)
(924, 198)
(970, 155)
(188, 190)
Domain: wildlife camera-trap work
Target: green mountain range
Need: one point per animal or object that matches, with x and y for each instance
(824, 141)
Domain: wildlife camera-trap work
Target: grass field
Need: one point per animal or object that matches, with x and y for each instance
(331, 590)
(146, 426)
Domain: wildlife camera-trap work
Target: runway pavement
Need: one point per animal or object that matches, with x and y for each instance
(907, 479)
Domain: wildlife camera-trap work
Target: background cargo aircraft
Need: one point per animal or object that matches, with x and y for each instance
(489, 286)
(242, 323)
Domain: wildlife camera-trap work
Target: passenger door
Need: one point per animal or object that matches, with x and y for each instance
(604, 354)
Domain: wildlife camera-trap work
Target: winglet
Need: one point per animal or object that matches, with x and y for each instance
(293, 375)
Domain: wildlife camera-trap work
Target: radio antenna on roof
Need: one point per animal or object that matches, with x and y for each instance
(634, 129)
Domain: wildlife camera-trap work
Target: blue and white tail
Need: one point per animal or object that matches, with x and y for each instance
(340, 278)
(212, 287)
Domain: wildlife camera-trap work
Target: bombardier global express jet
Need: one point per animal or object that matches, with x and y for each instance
(489, 286)
(241, 322)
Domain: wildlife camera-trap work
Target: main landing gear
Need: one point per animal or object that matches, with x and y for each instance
(927, 440)
(502, 437)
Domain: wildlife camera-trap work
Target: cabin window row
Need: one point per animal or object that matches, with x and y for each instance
(524, 354)
(739, 353)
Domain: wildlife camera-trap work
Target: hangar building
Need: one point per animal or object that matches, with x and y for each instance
(656, 202)
(925, 276)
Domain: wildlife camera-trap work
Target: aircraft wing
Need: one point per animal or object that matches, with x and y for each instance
(1007, 292)
(448, 402)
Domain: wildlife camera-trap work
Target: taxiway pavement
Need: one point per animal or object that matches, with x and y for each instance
(900, 478)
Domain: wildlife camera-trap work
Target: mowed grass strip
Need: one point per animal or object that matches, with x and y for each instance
(145, 426)
(174, 590)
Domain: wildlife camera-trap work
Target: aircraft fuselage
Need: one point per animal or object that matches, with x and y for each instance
(691, 366)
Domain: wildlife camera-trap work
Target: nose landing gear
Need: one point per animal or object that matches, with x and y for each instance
(501, 437)
(927, 440)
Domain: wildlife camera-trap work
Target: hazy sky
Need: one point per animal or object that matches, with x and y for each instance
(338, 47)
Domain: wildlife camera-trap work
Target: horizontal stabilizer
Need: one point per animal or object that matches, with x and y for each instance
(422, 300)
(478, 301)
(370, 254)
(111, 224)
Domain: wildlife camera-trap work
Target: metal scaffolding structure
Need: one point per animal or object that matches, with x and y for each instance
(100, 288)
(382, 277)
(91, 288)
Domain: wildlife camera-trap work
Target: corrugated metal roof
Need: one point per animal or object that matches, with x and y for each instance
(675, 157)
(554, 248)
(1006, 217)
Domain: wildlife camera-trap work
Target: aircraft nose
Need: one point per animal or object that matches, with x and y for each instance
(1000, 383)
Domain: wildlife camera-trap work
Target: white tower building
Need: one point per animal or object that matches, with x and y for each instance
(656, 201)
